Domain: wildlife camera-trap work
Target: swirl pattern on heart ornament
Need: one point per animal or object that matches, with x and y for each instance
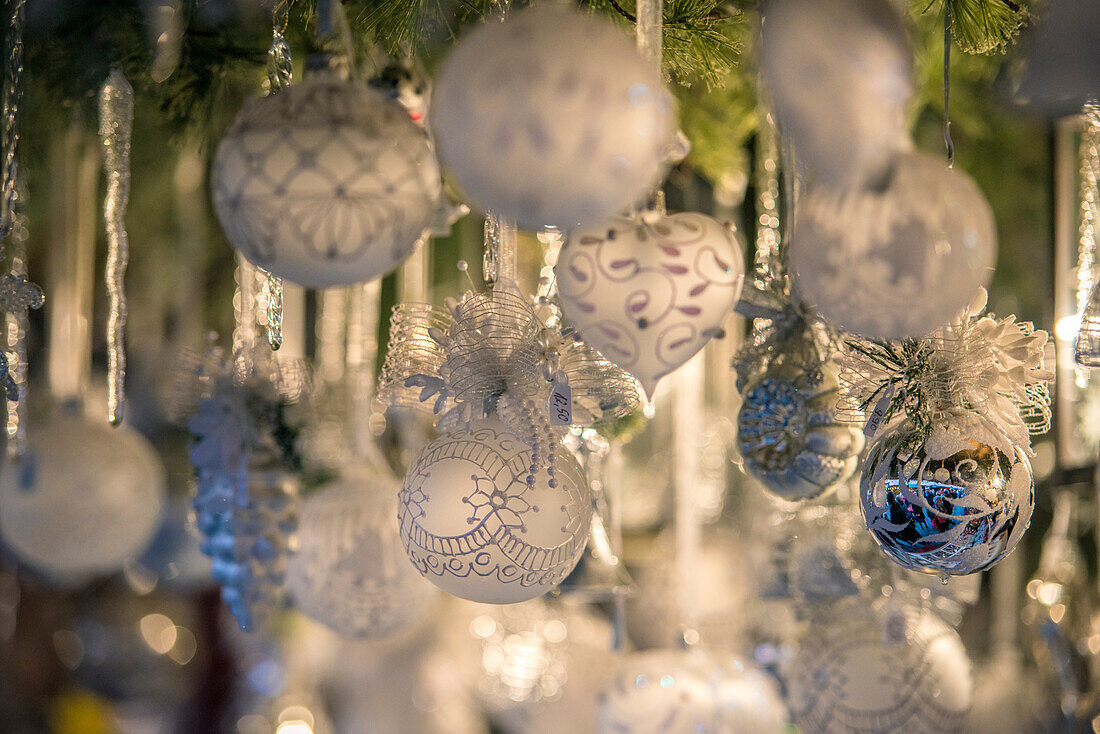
(649, 293)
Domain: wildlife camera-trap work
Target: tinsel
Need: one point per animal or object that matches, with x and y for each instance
(116, 118)
(992, 369)
(1087, 347)
(245, 456)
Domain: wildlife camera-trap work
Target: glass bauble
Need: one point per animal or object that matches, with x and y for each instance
(840, 76)
(350, 571)
(650, 292)
(687, 692)
(476, 528)
(954, 503)
(325, 183)
(789, 435)
(534, 131)
(84, 499)
(850, 675)
(897, 261)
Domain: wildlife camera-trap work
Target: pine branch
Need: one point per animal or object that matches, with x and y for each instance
(982, 26)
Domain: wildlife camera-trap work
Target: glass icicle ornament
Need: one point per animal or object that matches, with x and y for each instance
(116, 118)
(17, 294)
(1086, 352)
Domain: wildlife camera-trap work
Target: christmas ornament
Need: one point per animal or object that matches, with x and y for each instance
(849, 675)
(896, 261)
(954, 502)
(116, 118)
(479, 523)
(349, 571)
(83, 500)
(540, 134)
(789, 435)
(947, 485)
(686, 692)
(245, 501)
(649, 293)
(325, 183)
(840, 76)
(1086, 352)
(788, 432)
(17, 295)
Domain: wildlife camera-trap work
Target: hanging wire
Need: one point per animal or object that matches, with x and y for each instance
(12, 96)
(116, 117)
(947, 85)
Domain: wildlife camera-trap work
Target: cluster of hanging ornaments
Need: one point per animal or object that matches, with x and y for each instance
(888, 243)
(947, 486)
(495, 509)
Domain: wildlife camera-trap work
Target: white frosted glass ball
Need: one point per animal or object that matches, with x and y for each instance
(83, 500)
(475, 527)
(350, 571)
(687, 692)
(551, 117)
(650, 292)
(840, 75)
(325, 183)
(849, 675)
(895, 263)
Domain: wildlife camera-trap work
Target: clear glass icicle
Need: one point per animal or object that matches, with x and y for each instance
(116, 117)
(280, 70)
(1087, 348)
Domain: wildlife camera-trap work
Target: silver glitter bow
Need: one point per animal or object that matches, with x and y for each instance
(464, 358)
(993, 369)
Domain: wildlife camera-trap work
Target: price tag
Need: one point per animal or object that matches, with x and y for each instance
(560, 404)
(877, 415)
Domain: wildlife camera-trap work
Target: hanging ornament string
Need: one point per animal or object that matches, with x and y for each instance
(280, 69)
(12, 96)
(947, 85)
(116, 117)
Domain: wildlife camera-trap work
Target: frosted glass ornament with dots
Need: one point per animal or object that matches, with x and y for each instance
(84, 499)
(853, 671)
(551, 117)
(325, 183)
(897, 262)
(476, 528)
(350, 571)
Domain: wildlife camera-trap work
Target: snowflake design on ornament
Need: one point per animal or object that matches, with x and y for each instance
(489, 500)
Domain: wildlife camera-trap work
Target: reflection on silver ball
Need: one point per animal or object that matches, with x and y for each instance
(954, 503)
(789, 435)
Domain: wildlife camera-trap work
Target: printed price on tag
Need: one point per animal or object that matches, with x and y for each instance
(560, 405)
(883, 405)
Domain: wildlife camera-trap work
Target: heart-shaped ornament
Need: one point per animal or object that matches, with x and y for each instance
(650, 292)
